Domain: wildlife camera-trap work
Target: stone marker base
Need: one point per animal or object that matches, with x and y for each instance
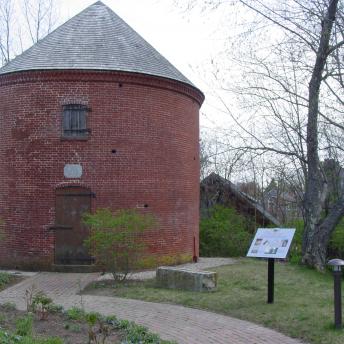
(176, 278)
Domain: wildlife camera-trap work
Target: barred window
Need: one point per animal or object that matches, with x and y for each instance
(75, 121)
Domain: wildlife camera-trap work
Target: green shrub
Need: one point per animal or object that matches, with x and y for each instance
(336, 245)
(40, 304)
(52, 340)
(295, 252)
(5, 278)
(139, 334)
(9, 338)
(40, 298)
(76, 313)
(24, 325)
(54, 309)
(99, 328)
(115, 239)
(224, 233)
(9, 306)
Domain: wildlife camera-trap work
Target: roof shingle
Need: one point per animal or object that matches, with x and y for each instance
(95, 39)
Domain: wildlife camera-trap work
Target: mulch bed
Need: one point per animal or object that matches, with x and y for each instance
(57, 325)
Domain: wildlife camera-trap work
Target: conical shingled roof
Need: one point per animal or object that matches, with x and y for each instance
(95, 39)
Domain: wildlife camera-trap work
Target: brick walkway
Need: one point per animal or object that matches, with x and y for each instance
(184, 325)
(58, 286)
(202, 264)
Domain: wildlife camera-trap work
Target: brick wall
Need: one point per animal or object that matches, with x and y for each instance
(150, 123)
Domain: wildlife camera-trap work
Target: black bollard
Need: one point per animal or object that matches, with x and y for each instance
(337, 290)
(337, 277)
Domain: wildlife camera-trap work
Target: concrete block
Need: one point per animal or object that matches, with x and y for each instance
(176, 278)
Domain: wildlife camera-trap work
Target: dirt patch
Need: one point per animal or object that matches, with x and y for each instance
(57, 325)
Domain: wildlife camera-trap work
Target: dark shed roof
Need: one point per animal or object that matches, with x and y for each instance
(95, 39)
(218, 190)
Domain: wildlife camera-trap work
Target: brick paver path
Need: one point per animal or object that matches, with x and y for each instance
(202, 264)
(58, 286)
(184, 325)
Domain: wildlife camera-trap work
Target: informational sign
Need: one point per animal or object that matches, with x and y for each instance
(271, 243)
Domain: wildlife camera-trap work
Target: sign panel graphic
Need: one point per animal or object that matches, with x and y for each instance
(271, 243)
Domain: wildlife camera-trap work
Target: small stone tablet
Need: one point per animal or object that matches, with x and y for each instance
(72, 171)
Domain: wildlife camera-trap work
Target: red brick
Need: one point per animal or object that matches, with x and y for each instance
(153, 123)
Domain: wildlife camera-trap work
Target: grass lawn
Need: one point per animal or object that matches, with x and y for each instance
(303, 305)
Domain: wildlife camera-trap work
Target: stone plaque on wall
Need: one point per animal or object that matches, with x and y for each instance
(72, 171)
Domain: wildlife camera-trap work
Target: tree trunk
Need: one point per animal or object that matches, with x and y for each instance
(316, 236)
(318, 241)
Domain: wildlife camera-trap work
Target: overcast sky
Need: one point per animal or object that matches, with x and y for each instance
(187, 40)
(159, 22)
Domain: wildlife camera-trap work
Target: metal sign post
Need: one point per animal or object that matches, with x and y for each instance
(271, 243)
(271, 279)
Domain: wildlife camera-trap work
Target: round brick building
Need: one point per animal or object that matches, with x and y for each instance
(93, 117)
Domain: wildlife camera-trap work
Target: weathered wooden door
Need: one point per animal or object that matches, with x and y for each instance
(71, 204)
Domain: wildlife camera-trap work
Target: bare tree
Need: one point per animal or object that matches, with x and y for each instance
(284, 195)
(40, 17)
(292, 92)
(204, 157)
(24, 22)
(318, 230)
(216, 157)
(6, 29)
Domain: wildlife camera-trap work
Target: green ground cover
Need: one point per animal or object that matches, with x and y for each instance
(303, 305)
(5, 280)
